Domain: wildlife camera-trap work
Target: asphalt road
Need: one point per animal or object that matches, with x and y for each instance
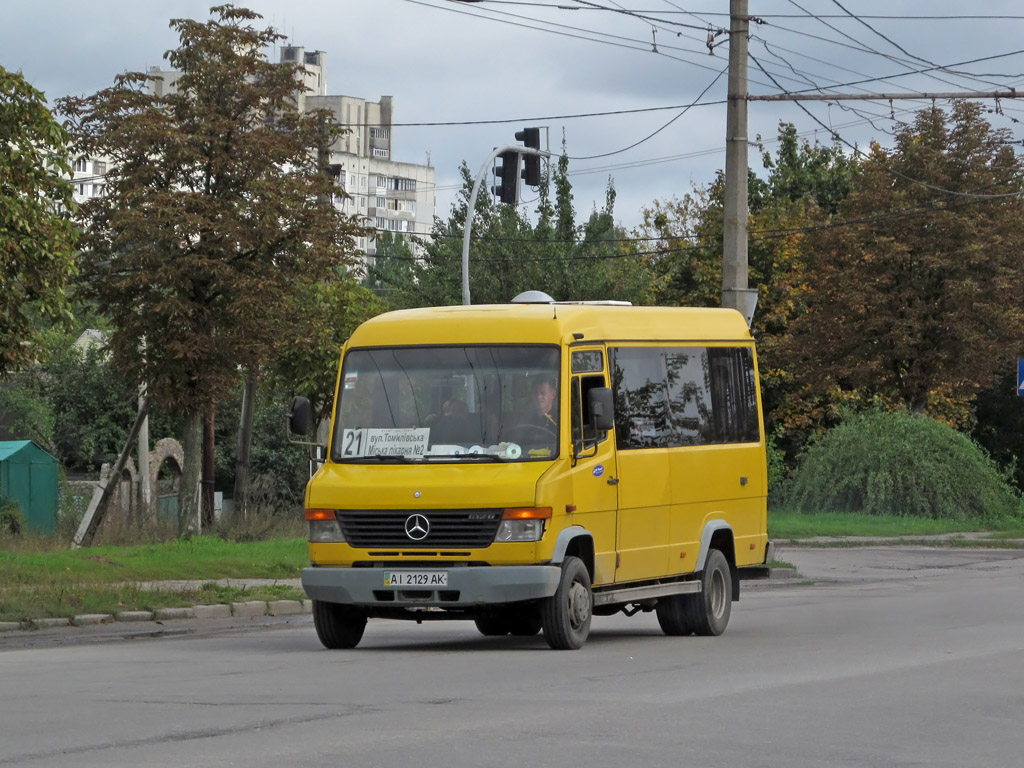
(877, 657)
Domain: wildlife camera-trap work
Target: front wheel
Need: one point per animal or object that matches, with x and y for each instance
(708, 612)
(565, 616)
(338, 626)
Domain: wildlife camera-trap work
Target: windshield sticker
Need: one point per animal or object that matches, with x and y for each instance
(410, 441)
(501, 450)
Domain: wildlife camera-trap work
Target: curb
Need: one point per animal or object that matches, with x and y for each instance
(245, 610)
(249, 609)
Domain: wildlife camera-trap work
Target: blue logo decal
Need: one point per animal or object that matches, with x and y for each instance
(599, 470)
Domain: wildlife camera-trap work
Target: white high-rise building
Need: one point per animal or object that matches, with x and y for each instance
(396, 197)
(391, 196)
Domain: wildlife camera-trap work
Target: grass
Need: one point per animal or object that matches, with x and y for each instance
(36, 581)
(40, 577)
(201, 558)
(67, 600)
(790, 525)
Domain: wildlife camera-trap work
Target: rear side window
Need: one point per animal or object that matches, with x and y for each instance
(676, 396)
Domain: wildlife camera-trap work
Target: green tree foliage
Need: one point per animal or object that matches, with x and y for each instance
(282, 469)
(999, 420)
(217, 212)
(803, 184)
(509, 254)
(37, 238)
(326, 315)
(26, 413)
(391, 275)
(916, 298)
(896, 463)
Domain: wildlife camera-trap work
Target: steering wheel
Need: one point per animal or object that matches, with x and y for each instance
(530, 433)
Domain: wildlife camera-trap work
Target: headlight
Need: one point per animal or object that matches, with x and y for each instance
(324, 527)
(523, 524)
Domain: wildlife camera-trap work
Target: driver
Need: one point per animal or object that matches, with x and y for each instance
(544, 394)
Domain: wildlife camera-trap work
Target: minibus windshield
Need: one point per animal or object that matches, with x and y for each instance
(479, 403)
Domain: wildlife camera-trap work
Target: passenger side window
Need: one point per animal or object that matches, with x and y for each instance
(678, 396)
(638, 384)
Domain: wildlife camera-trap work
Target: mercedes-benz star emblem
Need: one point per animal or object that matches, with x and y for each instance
(417, 527)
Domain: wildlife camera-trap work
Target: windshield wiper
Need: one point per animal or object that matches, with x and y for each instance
(476, 457)
(382, 458)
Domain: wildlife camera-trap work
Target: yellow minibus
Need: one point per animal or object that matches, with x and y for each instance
(528, 466)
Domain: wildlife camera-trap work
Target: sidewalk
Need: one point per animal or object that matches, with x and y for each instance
(240, 610)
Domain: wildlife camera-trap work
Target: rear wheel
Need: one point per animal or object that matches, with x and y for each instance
(338, 626)
(671, 613)
(708, 612)
(524, 621)
(492, 624)
(566, 615)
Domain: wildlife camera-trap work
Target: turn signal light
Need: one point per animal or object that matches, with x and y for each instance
(527, 513)
(320, 514)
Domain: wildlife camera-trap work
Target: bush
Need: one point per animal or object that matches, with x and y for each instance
(777, 481)
(12, 519)
(901, 464)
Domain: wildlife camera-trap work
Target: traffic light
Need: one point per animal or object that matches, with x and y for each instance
(508, 171)
(531, 163)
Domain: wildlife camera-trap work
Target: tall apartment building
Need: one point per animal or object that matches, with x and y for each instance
(88, 177)
(394, 196)
(391, 196)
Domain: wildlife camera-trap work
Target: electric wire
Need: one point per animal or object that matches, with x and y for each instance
(663, 127)
(893, 171)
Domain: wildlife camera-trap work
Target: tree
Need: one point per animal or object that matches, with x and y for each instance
(37, 238)
(509, 254)
(218, 210)
(326, 314)
(914, 299)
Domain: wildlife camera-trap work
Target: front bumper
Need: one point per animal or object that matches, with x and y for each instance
(468, 586)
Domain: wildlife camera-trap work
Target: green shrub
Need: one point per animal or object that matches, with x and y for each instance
(901, 464)
(12, 519)
(778, 483)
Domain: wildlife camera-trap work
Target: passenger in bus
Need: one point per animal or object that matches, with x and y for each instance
(453, 424)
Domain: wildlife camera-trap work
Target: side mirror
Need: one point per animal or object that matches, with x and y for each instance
(299, 416)
(602, 407)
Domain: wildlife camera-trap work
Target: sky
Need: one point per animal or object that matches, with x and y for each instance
(630, 86)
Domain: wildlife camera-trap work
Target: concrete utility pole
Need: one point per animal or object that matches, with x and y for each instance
(735, 293)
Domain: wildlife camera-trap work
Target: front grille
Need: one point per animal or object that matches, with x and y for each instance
(467, 528)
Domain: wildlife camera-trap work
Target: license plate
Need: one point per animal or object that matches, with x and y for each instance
(428, 579)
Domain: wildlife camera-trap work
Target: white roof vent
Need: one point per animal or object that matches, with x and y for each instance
(533, 297)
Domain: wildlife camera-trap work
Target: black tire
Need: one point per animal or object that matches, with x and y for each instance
(565, 616)
(492, 624)
(524, 621)
(708, 612)
(672, 617)
(338, 626)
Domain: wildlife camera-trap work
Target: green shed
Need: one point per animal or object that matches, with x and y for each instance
(28, 475)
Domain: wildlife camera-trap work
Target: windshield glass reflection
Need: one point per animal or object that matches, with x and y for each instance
(448, 403)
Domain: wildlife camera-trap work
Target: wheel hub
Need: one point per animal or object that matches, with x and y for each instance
(579, 604)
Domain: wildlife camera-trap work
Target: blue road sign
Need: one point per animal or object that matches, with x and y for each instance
(1020, 375)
